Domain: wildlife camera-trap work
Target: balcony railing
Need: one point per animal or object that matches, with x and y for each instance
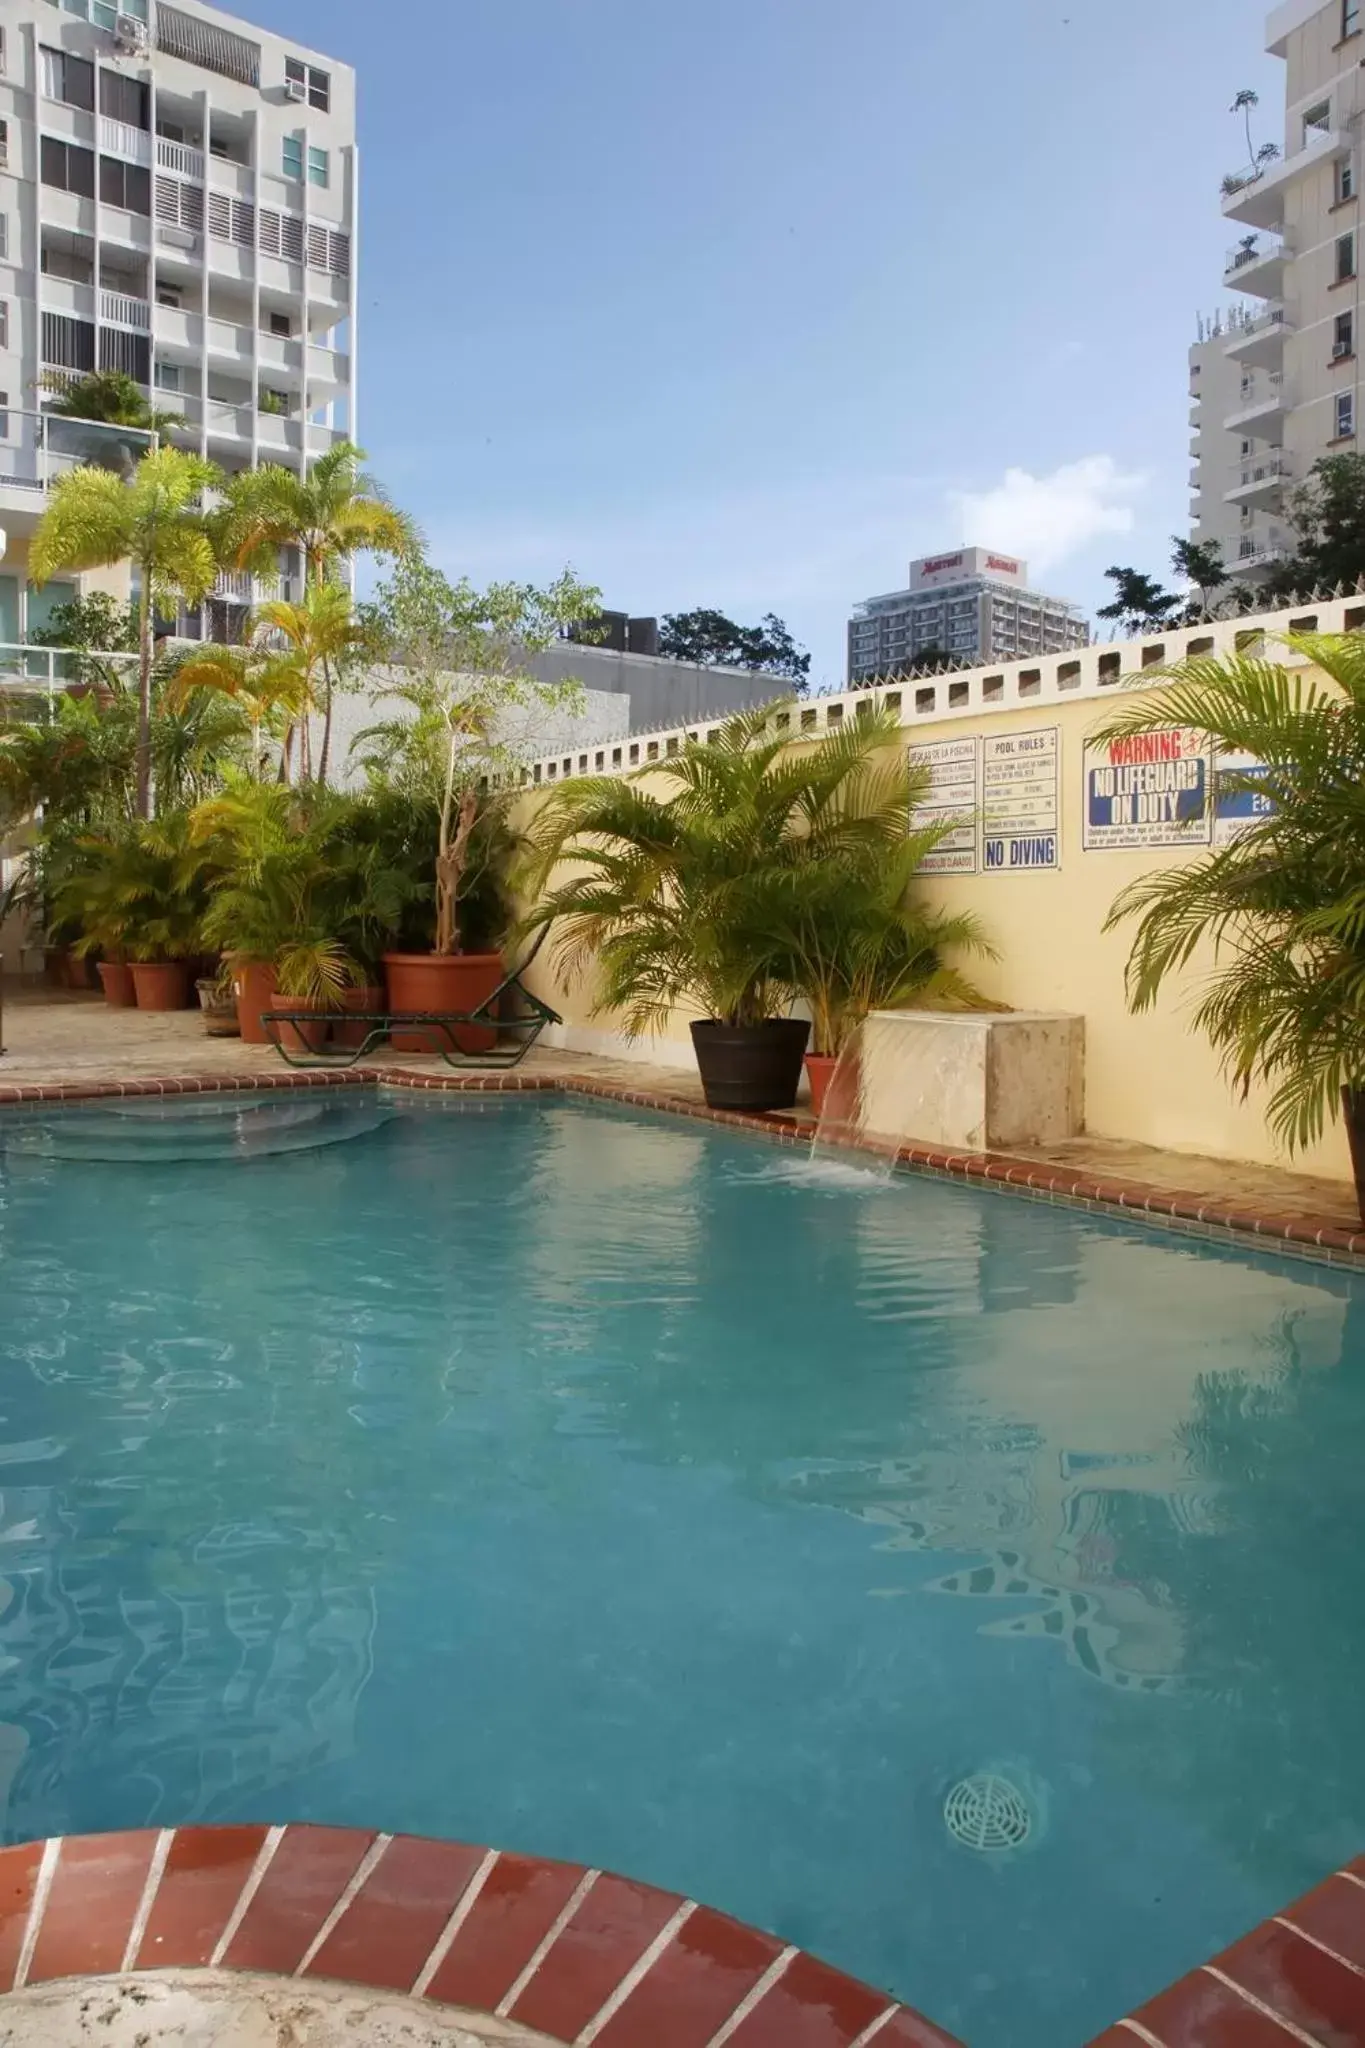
(120, 138)
(180, 158)
(36, 669)
(203, 43)
(1273, 468)
(123, 311)
(35, 447)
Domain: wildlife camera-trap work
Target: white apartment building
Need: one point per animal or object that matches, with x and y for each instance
(971, 605)
(1298, 261)
(178, 201)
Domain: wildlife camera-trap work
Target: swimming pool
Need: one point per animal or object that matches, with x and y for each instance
(608, 1487)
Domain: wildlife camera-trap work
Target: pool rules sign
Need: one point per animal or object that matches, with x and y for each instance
(1001, 797)
(1021, 826)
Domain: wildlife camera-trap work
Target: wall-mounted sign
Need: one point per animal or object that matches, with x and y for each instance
(1234, 810)
(1150, 789)
(953, 793)
(1021, 824)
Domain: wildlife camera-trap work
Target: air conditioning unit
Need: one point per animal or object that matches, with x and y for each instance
(131, 34)
(295, 89)
(1340, 349)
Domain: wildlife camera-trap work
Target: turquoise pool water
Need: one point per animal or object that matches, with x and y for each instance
(612, 1488)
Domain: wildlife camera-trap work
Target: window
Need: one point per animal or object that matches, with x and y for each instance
(126, 352)
(1346, 257)
(124, 99)
(168, 377)
(293, 157)
(4, 238)
(279, 324)
(125, 185)
(68, 344)
(1346, 414)
(68, 167)
(317, 167)
(4, 143)
(105, 13)
(1317, 120)
(306, 84)
(1350, 18)
(4, 416)
(69, 79)
(1343, 336)
(1246, 450)
(4, 55)
(4, 323)
(1346, 181)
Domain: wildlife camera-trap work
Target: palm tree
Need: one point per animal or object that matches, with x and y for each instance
(154, 522)
(276, 674)
(687, 896)
(109, 396)
(331, 513)
(1283, 905)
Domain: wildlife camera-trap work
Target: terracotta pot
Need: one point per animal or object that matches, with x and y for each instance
(442, 981)
(819, 1073)
(76, 971)
(357, 999)
(253, 983)
(161, 984)
(116, 979)
(750, 1066)
(306, 1037)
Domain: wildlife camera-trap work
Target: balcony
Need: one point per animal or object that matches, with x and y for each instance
(180, 158)
(1259, 552)
(119, 310)
(35, 447)
(1261, 340)
(117, 138)
(1259, 199)
(1262, 406)
(1262, 480)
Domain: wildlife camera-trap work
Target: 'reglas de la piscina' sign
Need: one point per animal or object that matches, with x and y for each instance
(954, 771)
(1149, 789)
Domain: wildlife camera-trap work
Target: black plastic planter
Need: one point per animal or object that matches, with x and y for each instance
(1353, 1115)
(751, 1066)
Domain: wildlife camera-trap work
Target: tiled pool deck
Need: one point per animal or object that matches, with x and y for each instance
(511, 1948)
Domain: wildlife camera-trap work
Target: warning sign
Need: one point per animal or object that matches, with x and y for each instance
(1021, 801)
(1151, 789)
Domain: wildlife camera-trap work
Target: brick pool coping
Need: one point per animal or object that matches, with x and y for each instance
(1180, 1210)
(575, 1954)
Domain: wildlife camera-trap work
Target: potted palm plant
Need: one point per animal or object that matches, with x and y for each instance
(273, 910)
(854, 936)
(146, 888)
(684, 877)
(1277, 912)
(458, 662)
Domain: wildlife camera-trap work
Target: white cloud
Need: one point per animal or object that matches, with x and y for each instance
(1048, 518)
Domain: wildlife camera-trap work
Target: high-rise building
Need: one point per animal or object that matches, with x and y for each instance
(178, 196)
(969, 606)
(1295, 395)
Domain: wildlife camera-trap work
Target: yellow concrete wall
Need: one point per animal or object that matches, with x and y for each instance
(1149, 1079)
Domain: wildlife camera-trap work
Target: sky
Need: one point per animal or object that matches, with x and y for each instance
(743, 303)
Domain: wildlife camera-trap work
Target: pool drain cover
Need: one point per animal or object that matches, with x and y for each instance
(986, 1812)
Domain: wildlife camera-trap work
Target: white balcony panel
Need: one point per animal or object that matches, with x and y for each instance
(178, 330)
(279, 352)
(67, 210)
(1258, 480)
(61, 296)
(277, 433)
(229, 422)
(131, 230)
(134, 145)
(226, 176)
(230, 259)
(72, 124)
(330, 367)
(225, 338)
(180, 158)
(279, 276)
